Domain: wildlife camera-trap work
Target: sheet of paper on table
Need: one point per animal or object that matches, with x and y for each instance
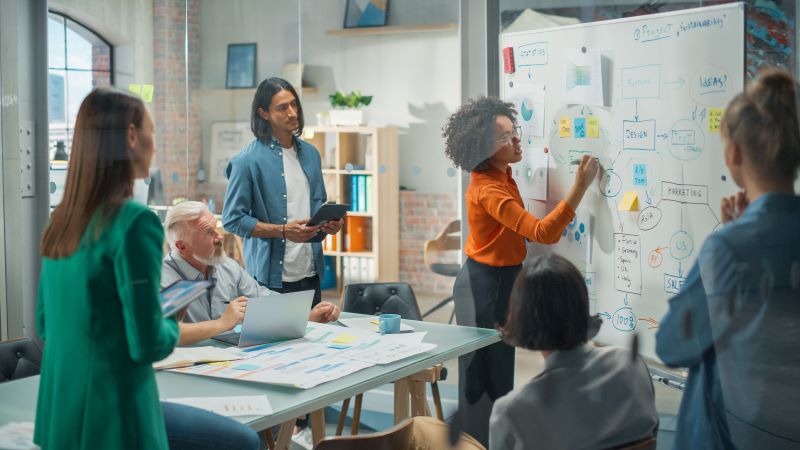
(243, 405)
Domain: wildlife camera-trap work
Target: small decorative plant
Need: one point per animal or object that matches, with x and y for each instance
(352, 100)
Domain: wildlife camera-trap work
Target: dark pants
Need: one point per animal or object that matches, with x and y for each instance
(481, 295)
(197, 429)
(306, 284)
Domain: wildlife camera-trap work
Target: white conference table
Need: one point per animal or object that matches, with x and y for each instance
(18, 398)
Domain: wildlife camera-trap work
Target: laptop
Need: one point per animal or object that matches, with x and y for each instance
(276, 317)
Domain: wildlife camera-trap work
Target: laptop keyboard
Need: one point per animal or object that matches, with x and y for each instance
(229, 338)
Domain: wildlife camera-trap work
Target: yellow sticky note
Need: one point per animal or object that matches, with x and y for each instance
(592, 127)
(630, 202)
(344, 339)
(147, 93)
(564, 127)
(714, 119)
(135, 88)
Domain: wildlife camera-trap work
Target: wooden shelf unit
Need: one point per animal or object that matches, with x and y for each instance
(374, 149)
(393, 29)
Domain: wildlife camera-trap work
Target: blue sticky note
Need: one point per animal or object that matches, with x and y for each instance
(338, 346)
(246, 367)
(639, 175)
(579, 127)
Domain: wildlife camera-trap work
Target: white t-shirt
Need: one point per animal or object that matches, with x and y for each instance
(298, 260)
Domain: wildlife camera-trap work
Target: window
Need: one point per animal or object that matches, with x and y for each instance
(78, 61)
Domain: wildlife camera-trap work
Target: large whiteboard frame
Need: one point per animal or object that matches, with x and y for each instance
(663, 76)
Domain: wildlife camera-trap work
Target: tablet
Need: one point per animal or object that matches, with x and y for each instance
(179, 294)
(327, 212)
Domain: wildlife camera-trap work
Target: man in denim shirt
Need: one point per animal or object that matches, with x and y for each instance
(274, 186)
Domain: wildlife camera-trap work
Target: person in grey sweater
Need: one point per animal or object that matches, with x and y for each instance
(586, 397)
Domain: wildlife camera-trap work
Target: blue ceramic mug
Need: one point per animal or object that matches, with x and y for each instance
(389, 323)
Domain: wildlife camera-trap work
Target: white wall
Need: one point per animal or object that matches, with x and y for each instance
(415, 78)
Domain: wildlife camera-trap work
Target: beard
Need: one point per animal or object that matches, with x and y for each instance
(214, 259)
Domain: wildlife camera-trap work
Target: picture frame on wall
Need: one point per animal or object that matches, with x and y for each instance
(366, 13)
(241, 67)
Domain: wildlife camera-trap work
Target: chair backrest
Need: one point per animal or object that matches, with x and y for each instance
(19, 358)
(419, 433)
(381, 298)
(448, 239)
(642, 444)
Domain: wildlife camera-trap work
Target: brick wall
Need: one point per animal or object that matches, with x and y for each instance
(423, 217)
(178, 170)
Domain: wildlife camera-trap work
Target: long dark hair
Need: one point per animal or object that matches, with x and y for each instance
(100, 175)
(266, 90)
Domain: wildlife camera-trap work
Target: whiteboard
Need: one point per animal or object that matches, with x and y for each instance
(645, 95)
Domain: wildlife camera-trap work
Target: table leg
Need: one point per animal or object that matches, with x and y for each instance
(266, 436)
(318, 426)
(401, 400)
(285, 435)
(419, 404)
(342, 416)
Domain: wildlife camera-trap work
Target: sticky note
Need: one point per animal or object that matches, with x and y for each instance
(579, 125)
(714, 119)
(344, 339)
(147, 93)
(592, 127)
(630, 202)
(246, 367)
(508, 60)
(564, 127)
(135, 88)
(639, 175)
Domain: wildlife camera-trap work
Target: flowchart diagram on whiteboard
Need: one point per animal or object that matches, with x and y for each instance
(646, 96)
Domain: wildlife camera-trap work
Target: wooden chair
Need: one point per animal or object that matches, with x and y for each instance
(642, 444)
(395, 298)
(419, 433)
(448, 240)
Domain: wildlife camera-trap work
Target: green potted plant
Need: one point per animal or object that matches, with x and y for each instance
(347, 108)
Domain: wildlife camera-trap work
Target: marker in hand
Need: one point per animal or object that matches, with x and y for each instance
(577, 162)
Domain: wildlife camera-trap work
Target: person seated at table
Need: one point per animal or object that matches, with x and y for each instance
(195, 253)
(586, 397)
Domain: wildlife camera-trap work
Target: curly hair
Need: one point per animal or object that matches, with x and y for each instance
(469, 133)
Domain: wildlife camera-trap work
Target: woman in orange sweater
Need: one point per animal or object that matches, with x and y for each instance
(482, 138)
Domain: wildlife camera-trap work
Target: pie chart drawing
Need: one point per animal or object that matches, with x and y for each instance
(526, 111)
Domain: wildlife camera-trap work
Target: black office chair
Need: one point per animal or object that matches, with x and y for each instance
(19, 358)
(384, 298)
(381, 298)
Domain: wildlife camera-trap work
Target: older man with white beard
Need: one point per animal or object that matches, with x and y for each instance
(195, 253)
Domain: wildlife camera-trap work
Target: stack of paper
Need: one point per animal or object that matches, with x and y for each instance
(327, 352)
(187, 356)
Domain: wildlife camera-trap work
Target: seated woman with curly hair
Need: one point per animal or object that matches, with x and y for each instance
(482, 138)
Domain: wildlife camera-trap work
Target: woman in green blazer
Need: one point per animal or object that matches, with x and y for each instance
(98, 309)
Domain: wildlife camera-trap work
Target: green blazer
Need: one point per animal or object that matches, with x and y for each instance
(99, 316)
